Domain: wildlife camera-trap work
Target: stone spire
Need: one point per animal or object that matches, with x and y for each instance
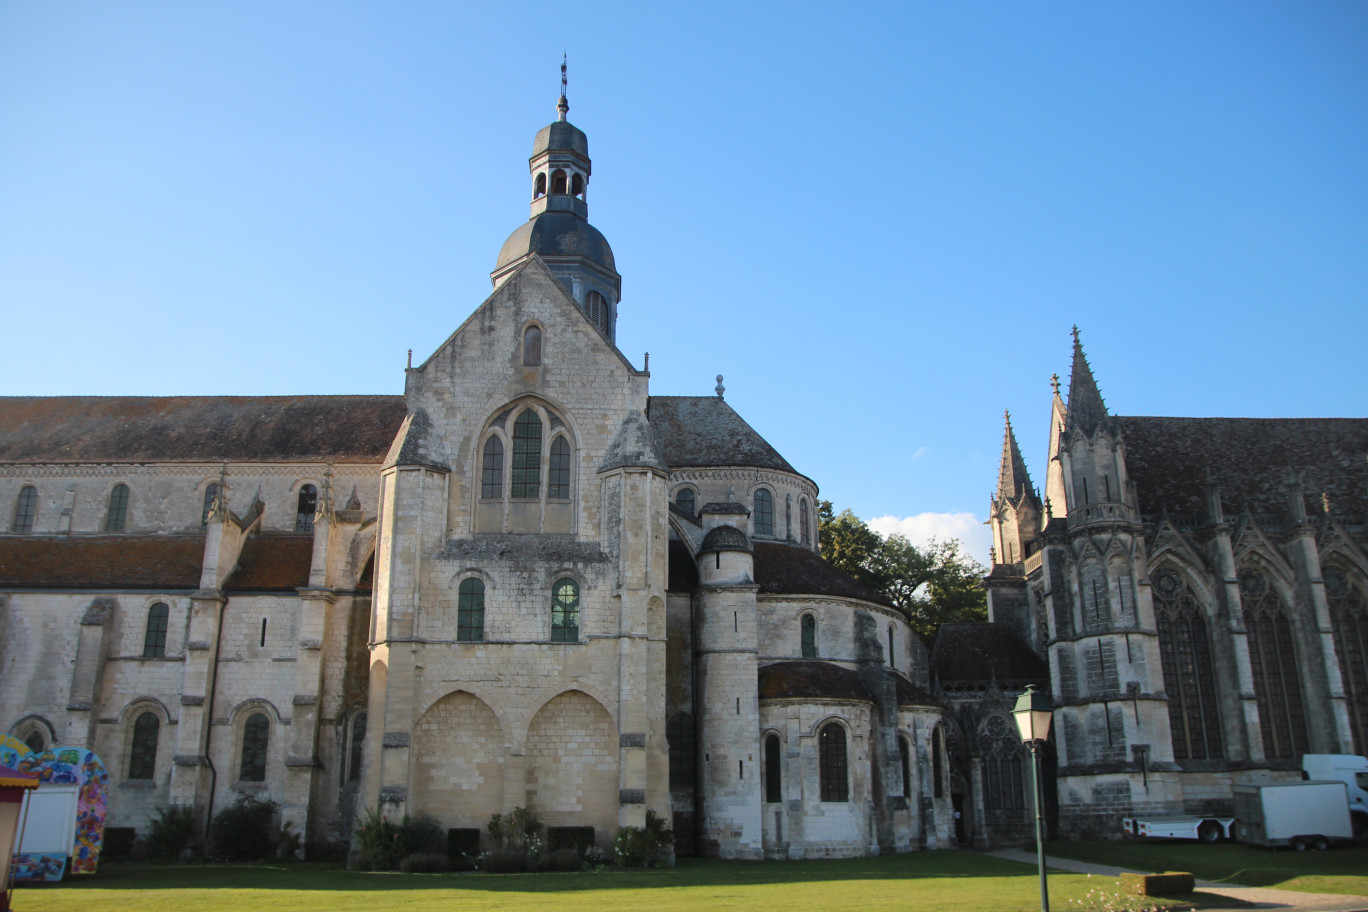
(1087, 411)
(1014, 480)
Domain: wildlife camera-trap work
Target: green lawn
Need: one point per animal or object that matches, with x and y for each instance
(946, 881)
(1336, 870)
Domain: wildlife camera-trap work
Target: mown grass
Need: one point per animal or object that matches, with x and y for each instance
(947, 881)
(1336, 870)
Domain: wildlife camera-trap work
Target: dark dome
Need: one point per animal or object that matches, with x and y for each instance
(560, 137)
(557, 234)
(725, 538)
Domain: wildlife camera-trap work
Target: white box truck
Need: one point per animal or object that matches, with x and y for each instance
(1353, 772)
(1303, 815)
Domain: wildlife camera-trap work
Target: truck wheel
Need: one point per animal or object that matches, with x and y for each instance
(1209, 831)
(1321, 843)
(1299, 844)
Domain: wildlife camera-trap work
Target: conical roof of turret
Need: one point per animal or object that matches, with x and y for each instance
(1087, 411)
(1013, 478)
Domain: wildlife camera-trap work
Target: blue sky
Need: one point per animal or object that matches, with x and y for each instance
(878, 221)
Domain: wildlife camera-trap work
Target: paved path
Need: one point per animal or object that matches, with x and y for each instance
(1258, 897)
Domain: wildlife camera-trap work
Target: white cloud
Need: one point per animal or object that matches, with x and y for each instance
(921, 451)
(923, 527)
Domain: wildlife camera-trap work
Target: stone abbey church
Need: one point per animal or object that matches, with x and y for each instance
(529, 582)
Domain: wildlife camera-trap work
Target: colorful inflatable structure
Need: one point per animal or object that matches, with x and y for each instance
(65, 815)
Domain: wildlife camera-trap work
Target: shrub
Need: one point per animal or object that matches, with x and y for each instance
(244, 831)
(564, 860)
(171, 832)
(424, 863)
(463, 842)
(381, 842)
(503, 861)
(461, 863)
(579, 838)
(118, 843)
(515, 830)
(1170, 883)
(290, 841)
(644, 847)
(424, 835)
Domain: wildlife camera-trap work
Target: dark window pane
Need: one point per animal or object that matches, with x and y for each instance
(764, 512)
(558, 181)
(527, 435)
(937, 764)
(26, 509)
(565, 612)
(491, 473)
(1185, 660)
(1349, 619)
(1272, 658)
(773, 770)
(36, 742)
(256, 736)
(118, 509)
(803, 533)
(154, 639)
(470, 611)
(831, 750)
(905, 761)
(308, 504)
(532, 346)
(210, 495)
(679, 731)
(685, 500)
(809, 629)
(358, 746)
(142, 764)
(558, 484)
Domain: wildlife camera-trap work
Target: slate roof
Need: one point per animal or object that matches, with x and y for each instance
(101, 562)
(984, 652)
(788, 570)
(60, 429)
(824, 681)
(696, 431)
(1167, 459)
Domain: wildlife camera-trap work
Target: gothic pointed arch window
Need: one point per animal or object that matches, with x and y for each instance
(305, 509)
(565, 612)
(558, 480)
(1273, 660)
(807, 628)
(25, 510)
(491, 469)
(1000, 747)
(116, 518)
(211, 492)
(527, 448)
(832, 766)
(1189, 679)
(470, 611)
(1349, 620)
(764, 512)
(142, 760)
(774, 766)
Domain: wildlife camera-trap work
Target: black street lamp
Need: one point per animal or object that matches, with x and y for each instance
(1033, 713)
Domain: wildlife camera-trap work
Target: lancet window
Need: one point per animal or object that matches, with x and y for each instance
(1349, 619)
(1273, 659)
(1189, 680)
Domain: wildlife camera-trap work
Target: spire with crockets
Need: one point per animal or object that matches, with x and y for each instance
(1087, 411)
(1014, 481)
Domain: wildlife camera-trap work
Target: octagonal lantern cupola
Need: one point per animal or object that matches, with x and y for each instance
(559, 230)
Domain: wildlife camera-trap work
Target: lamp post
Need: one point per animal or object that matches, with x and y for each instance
(1033, 712)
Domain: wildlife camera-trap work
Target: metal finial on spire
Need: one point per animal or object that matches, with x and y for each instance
(1054, 383)
(720, 389)
(1075, 333)
(563, 106)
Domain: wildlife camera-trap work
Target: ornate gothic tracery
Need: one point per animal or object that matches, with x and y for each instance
(1273, 659)
(1349, 619)
(1185, 653)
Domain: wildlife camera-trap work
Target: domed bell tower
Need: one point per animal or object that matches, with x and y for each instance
(558, 231)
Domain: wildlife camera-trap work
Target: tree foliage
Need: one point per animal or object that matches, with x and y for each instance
(933, 585)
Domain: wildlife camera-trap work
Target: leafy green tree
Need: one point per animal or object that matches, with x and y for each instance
(933, 585)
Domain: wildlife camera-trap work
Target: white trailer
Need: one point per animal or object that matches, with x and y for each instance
(1203, 829)
(1303, 815)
